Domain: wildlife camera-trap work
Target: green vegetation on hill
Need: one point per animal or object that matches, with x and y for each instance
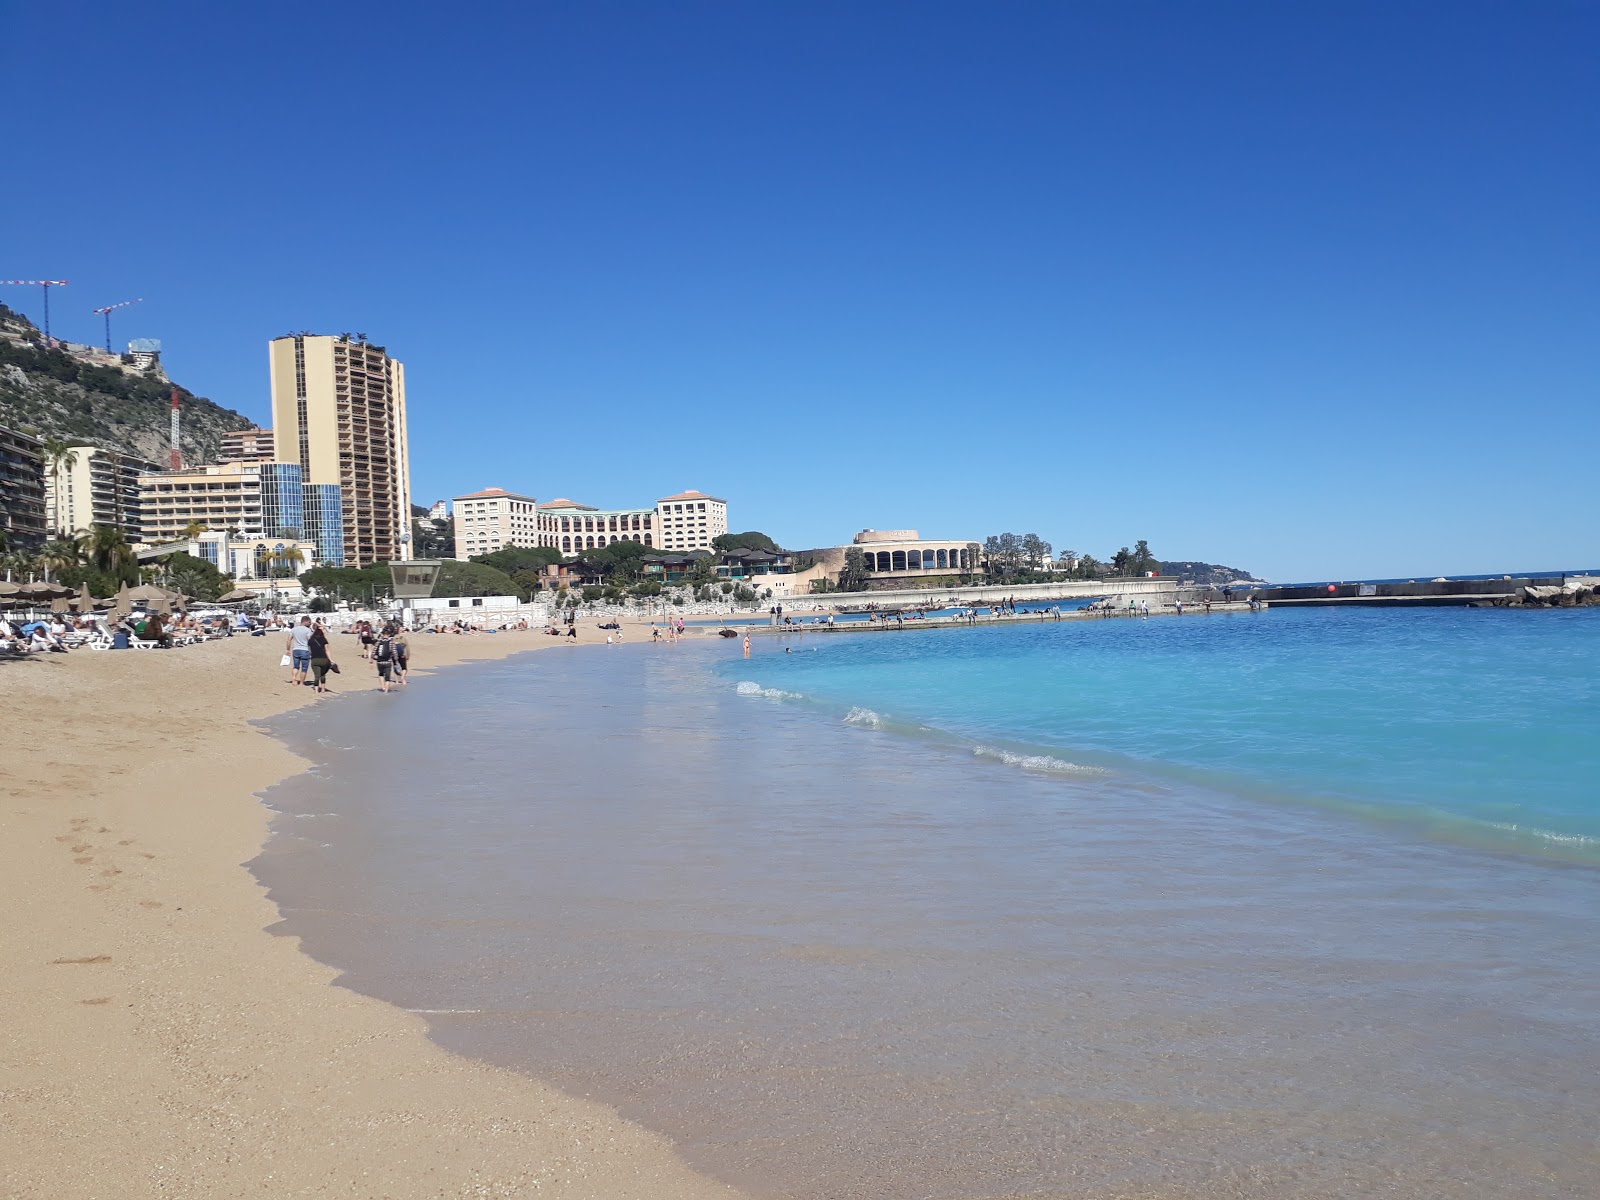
(48, 393)
(1205, 574)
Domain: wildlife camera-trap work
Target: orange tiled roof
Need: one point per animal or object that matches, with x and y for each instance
(691, 496)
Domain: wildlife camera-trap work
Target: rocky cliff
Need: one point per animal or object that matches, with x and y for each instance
(50, 393)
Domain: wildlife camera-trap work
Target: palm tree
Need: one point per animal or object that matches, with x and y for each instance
(60, 555)
(60, 456)
(15, 562)
(107, 548)
(194, 529)
(285, 559)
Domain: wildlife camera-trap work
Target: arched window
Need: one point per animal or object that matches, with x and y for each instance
(613, 539)
(942, 560)
(566, 544)
(647, 539)
(590, 545)
(899, 560)
(927, 560)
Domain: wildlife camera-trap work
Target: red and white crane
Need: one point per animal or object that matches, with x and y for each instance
(46, 284)
(106, 313)
(177, 454)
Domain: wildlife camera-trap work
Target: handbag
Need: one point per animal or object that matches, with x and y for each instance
(286, 661)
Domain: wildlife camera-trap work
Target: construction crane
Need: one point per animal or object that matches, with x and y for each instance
(176, 453)
(46, 284)
(106, 313)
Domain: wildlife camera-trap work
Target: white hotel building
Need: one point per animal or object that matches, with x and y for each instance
(494, 518)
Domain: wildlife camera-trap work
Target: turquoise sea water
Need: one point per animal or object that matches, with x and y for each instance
(1278, 906)
(1474, 724)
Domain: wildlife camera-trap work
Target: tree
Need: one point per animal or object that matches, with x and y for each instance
(366, 585)
(106, 547)
(194, 529)
(194, 576)
(1122, 561)
(59, 555)
(853, 576)
(473, 579)
(60, 456)
(284, 560)
(1003, 552)
(1143, 560)
(751, 540)
(520, 558)
(1035, 550)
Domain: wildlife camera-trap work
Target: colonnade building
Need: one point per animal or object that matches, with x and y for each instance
(904, 552)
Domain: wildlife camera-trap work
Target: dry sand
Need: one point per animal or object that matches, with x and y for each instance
(158, 1041)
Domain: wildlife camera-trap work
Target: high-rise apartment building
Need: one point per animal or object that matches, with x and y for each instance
(99, 487)
(22, 490)
(339, 411)
(240, 445)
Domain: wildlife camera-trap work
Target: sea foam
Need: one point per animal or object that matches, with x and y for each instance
(748, 688)
(1040, 763)
(864, 717)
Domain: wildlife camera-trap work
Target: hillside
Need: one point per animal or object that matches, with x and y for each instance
(49, 393)
(1204, 574)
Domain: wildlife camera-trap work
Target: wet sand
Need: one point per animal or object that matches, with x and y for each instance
(158, 1040)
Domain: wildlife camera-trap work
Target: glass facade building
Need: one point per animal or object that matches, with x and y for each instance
(282, 500)
(324, 520)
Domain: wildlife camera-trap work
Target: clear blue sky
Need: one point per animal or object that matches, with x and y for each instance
(1305, 288)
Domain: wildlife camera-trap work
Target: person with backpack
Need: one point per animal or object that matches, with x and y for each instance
(383, 657)
(402, 654)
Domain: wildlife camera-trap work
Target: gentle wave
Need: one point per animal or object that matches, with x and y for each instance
(1042, 763)
(864, 717)
(748, 688)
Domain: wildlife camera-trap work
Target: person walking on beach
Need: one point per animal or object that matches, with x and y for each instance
(383, 658)
(402, 654)
(298, 648)
(321, 664)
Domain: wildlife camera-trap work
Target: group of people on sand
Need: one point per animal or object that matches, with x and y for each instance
(384, 646)
(34, 638)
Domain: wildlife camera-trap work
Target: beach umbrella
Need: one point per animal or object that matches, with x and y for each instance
(237, 596)
(7, 588)
(162, 606)
(59, 604)
(42, 591)
(83, 601)
(146, 591)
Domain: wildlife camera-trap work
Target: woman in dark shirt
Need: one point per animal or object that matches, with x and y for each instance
(320, 662)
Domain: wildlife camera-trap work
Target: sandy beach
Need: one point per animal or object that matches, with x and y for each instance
(159, 1040)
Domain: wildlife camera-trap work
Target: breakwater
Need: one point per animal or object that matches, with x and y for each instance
(1507, 592)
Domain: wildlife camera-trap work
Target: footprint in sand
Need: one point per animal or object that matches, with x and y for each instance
(150, 904)
(99, 887)
(87, 858)
(125, 842)
(81, 847)
(88, 961)
(97, 1000)
(112, 871)
(145, 854)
